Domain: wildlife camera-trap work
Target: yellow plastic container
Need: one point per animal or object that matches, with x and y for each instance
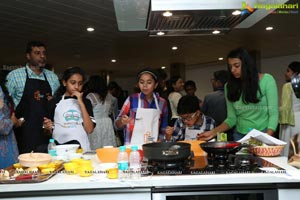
(86, 162)
(86, 171)
(112, 173)
(77, 161)
(71, 168)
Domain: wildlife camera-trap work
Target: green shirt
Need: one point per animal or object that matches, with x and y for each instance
(286, 115)
(262, 115)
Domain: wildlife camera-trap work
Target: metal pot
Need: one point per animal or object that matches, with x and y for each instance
(167, 151)
(295, 81)
(221, 147)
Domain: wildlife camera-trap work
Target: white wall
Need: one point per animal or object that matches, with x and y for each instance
(202, 75)
(275, 66)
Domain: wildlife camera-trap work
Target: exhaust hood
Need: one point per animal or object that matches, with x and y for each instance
(190, 17)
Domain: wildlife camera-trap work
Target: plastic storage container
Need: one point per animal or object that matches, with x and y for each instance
(134, 163)
(52, 148)
(122, 163)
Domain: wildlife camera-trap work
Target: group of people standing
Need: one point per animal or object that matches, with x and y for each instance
(35, 106)
(72, 111)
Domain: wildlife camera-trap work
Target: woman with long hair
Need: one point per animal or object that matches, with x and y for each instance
(290, 109)
(251, 98)
(176, 86)
(97, 93)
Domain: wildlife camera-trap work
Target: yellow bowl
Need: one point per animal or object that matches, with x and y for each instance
(267, 151)
(86, 162)
(77, 161)
(71, 168)
(85, 171)
(112, 173)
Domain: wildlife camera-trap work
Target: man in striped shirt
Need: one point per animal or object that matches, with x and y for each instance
(31, 87)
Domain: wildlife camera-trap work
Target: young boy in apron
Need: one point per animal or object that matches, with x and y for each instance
(191, 122)
(145, 114)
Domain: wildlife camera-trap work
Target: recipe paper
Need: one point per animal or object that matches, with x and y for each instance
(263, 137)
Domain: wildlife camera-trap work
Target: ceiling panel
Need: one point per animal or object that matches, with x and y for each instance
(62, 24)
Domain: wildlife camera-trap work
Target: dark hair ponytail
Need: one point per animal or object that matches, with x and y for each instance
(66, 75)
(248, 84)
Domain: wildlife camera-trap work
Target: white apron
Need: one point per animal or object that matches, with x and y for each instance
(68, 123)
(191, 133)
(146, 120)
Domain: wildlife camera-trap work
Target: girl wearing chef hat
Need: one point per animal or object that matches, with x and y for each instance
(69, 112)
(144, 115)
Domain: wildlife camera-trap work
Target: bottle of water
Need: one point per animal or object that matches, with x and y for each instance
(134, 163)
(122, 163)
(52, 147)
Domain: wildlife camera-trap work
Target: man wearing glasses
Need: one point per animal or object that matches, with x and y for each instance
(191, 121)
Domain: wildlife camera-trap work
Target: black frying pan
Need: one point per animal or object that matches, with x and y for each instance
(221, 147)
(167, 151)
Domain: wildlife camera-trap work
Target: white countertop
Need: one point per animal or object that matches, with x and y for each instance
(62, 181)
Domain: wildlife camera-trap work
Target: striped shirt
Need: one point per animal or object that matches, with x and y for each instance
(208, 124)
(16, 80)
(130, 107)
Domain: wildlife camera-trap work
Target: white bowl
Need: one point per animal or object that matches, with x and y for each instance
(72, 156)
(66, 149)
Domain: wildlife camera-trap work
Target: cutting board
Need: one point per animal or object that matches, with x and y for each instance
(195, 147)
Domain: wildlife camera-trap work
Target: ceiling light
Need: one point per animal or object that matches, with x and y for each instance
(216, 32)
(174, 48)
(113, 60)
(163, 67)
(160, 33)
(90, 29)
(167, 14)
(269, 28)
(221, 58)
(236, 12)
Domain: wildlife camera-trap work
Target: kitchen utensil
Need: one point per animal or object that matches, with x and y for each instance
(293, 145)
(167, 151)
(222, 147)
(295, 81)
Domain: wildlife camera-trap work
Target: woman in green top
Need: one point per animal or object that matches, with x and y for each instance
(251, 98)
(289, 116)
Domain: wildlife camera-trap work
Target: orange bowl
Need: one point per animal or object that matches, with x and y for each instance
(267, 151)
(109, 155)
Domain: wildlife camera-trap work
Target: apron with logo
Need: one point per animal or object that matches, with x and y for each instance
(146, 120)
(68, 123)
(32, 108)
(191, 133)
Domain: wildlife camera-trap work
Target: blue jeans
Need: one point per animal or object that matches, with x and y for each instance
(237, 136)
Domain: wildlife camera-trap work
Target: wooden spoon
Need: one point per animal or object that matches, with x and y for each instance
(293, 145)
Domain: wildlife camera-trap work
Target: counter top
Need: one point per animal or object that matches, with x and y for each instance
(62, 181)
